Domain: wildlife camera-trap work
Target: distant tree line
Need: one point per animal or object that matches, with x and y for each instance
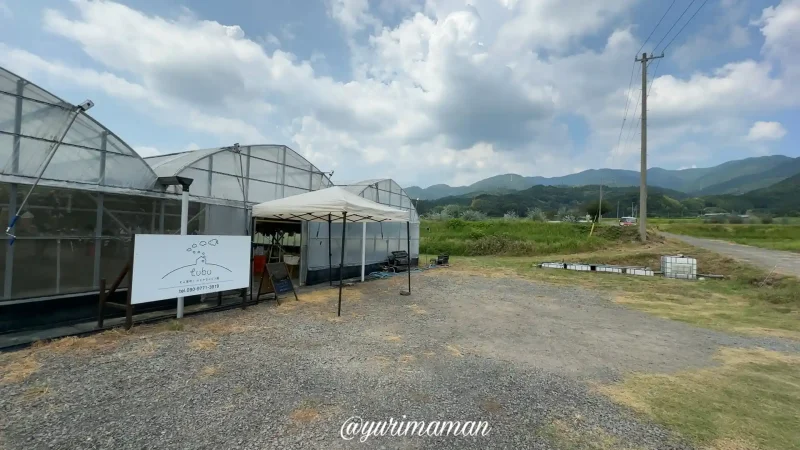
(558, 202)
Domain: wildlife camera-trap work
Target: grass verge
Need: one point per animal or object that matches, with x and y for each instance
(516, 237)
(750, 401)
(564, 435)
(772, 236)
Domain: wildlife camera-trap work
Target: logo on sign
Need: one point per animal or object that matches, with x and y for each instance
(201, 269)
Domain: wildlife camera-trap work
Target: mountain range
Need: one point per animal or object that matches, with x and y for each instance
(779, 199)
(732, 177)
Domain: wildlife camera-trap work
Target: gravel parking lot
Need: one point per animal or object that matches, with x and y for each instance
(517, 354)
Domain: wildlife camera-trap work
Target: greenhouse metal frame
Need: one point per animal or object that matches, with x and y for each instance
(97, 192)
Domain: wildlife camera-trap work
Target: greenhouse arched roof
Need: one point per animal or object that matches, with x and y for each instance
(248, 173)
(383, 190)
(32, 120)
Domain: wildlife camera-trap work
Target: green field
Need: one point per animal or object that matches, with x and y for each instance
(774, 236)
(518, 237)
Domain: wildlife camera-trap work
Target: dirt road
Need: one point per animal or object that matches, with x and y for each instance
(786, 263)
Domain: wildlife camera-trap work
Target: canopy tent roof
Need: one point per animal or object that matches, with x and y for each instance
(334, 203)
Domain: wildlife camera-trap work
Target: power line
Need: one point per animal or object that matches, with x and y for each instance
(673, 25)
(684, 25)
(655, 27)
(627, 104)
(655, 70)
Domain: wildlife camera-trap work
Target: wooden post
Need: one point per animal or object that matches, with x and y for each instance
(128, 304)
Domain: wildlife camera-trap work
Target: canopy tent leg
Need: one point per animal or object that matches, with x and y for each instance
(341, 266)
(330, 253)
(408, 241)
(363, 249)
(408, 259)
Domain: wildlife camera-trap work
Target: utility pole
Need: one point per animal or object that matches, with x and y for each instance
(643, 182)
(600, 205)
(617, 209)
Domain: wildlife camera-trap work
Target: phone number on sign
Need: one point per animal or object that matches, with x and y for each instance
(195, 289)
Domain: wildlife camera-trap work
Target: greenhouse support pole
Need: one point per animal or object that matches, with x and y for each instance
(184, 229)
(363, 249)
(77, 111)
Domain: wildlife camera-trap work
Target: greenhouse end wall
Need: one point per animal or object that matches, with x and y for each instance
(68, 239)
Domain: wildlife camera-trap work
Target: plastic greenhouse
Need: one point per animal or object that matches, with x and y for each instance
(98, 191)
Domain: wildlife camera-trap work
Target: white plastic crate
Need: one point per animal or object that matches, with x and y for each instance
(679, 266)
(642, 272)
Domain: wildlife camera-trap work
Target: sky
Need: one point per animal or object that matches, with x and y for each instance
(425, 91)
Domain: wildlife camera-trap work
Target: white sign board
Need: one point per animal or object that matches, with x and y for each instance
(169, 266)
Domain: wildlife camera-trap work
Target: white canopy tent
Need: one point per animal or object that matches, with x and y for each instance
(334, 204)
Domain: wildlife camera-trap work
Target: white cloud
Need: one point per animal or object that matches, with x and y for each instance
(352, 15)
(450, 93)
(766, 131)
(272, 41)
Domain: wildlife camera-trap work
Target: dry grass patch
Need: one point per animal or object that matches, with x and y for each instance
(209, 371)
(203, 345)
(304, 415)
(416, 309)
(224, 326)
(148, 348)
(18, 367)
(407, 359)
(312, 410)
(393, 338)
(35, 392)
(751, 400)
(105, 341)
(491, 405)
(454, 350)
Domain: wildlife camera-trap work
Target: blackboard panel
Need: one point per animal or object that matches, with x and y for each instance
(280, 279)
(278, 271)
(283, 286)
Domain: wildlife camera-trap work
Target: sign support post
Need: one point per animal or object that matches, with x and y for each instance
(184, 229)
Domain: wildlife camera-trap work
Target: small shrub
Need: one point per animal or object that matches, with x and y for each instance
(477, 234)
(456, 224)
(536, 214)
(735, 220)
(766, 219)
(453, 211)
(473, 216)
(509, 215)
(438, 216)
